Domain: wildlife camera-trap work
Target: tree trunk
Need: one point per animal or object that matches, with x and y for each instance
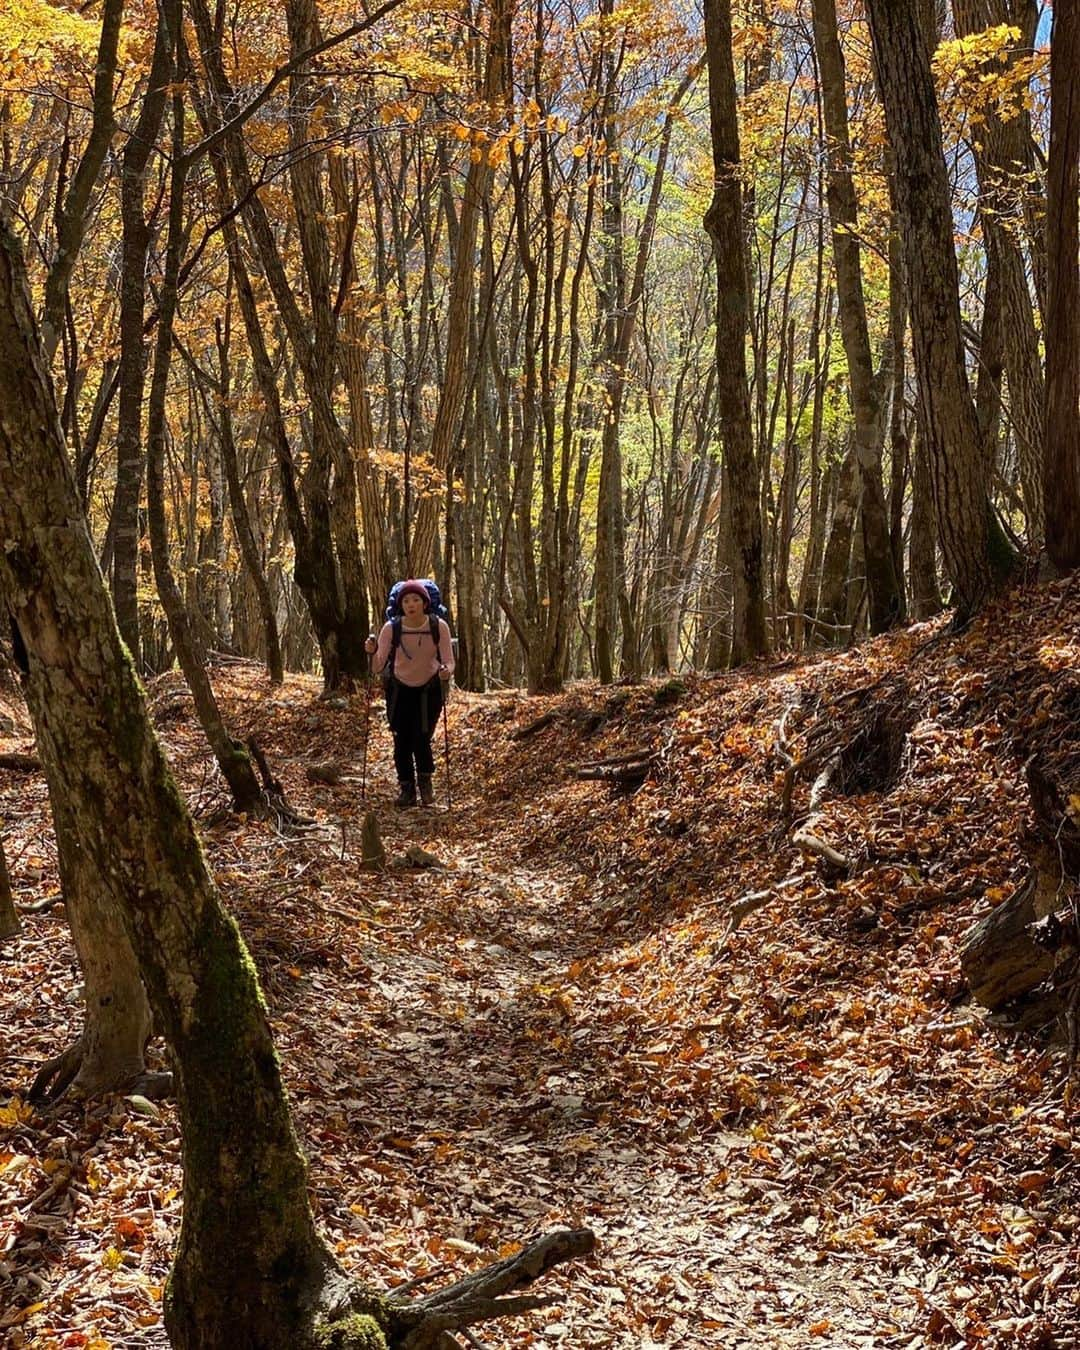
(999, 153)
(1062, 471)
(885, 602)
(242, 527)
(109, 1053)
(124, 521)
(922, 549)
(232, 757)
(977, 555)
(724, 224)
(9, 919)
(73, 216)
(832, 605)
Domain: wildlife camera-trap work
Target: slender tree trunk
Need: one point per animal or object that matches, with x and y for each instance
(245, 534)
(454, 384)
(9, 919)
(977, 555)
(832, 607)
(898, 421)
(724, 224)
(1062, 471)
(73, 215)
(885, 603)
(124, 522)
(231, 755)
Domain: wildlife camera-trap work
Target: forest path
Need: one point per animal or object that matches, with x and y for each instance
(500, 1105)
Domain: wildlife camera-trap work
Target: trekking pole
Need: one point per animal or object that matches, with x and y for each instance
(367, 731)
(446, 751)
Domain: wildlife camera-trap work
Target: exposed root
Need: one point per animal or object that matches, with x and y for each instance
(56, 1075)
(433, 1322)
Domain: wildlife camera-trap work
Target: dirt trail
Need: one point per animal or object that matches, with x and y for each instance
(475, 1039)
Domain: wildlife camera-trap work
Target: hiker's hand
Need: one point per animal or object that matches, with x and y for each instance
(370, 645)
(444, 673)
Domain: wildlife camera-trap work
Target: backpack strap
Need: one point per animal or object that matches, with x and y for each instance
(435, 634)
(395, 643)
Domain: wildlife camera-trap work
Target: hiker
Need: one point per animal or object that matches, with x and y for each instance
(414, 654)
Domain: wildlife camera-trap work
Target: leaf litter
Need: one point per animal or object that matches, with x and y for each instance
(782, 1118)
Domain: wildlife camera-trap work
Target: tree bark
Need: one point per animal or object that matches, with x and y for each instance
(109, 1053)
(1062, 465)
(9, 919)
(124, 522)
(999, 150)
(724, 224)
(885, 599)
(231, 756)
(977, 555)
(922, 549)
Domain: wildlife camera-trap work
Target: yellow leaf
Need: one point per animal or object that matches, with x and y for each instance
(15, 1113)
(111, 1258)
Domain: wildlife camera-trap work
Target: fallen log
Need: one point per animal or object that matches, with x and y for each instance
(628, 769)
(20, 763)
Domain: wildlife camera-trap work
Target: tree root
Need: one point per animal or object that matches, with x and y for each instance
(56, 1075)
(433, 1322)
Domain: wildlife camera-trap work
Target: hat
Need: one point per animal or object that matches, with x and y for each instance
(414, 588)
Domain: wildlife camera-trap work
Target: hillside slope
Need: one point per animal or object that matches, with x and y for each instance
(638, 1006)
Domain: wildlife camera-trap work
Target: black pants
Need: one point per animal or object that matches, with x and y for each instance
(413, 715)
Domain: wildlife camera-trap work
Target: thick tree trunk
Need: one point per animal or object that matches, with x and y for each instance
(724, 224)
(109, 1053)
(977, 556)
(1062, 471)
(1000, 153)
(922, 548)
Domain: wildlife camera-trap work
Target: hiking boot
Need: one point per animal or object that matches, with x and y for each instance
(406, 795)
(427, 792)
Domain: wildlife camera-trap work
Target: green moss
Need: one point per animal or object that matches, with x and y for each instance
(669, 692)
(358, 1332)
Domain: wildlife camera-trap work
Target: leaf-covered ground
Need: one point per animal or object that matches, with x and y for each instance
(787, 1131)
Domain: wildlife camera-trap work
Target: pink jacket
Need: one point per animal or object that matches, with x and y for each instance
(416, 661)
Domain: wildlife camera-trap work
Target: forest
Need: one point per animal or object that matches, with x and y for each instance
(714, 979)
